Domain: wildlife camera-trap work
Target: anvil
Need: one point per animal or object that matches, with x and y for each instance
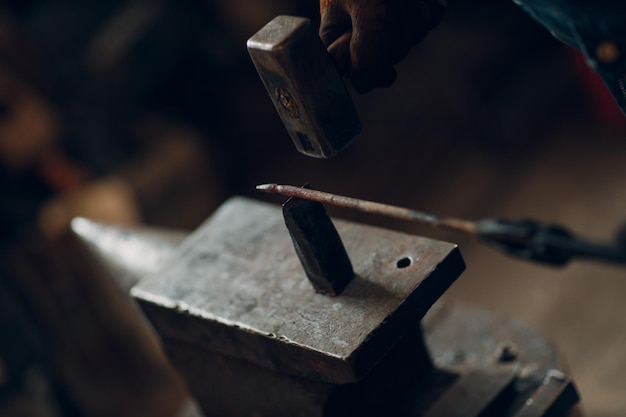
(251, 336)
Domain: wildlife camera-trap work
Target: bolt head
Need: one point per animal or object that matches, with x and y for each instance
(507, 352)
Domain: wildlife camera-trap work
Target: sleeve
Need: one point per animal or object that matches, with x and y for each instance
(597, 28)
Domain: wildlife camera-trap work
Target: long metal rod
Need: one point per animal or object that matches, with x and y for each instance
(451, 223)
(524, 238)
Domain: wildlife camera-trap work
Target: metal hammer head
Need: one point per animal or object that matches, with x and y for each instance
(305, 86)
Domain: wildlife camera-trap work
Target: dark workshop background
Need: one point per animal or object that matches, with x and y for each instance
(151, 112)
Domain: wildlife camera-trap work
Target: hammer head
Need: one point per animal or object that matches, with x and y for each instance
(305, 86)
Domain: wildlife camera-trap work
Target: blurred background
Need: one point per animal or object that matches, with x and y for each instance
(150, 112)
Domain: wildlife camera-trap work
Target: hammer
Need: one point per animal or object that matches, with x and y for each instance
(305, 86)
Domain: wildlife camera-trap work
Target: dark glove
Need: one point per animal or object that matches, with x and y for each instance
(368, 37)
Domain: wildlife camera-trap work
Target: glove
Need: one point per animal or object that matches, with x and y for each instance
(368, 37)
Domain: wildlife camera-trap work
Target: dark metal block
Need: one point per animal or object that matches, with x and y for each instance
(318, 245)
(478, 393)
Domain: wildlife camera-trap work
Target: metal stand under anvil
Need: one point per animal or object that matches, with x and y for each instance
(252, 337)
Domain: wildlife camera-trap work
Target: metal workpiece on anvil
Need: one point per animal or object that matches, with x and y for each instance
(303, 83)
(318, 245)
(237, 288)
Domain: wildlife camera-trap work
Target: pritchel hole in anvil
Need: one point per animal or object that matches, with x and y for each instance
(403, 263)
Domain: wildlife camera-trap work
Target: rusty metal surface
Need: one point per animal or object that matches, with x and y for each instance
(524, 238)
(305, 87)
(238, 289)
(128, 253)
(318, 246)
(372, 207)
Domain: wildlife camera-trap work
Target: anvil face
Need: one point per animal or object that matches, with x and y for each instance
(235, 287)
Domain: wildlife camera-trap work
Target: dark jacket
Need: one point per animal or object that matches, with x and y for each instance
(596, 27)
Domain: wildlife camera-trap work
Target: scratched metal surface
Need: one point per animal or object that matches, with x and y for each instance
(236, 287)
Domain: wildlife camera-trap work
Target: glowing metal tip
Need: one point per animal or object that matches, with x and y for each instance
(268, 188)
